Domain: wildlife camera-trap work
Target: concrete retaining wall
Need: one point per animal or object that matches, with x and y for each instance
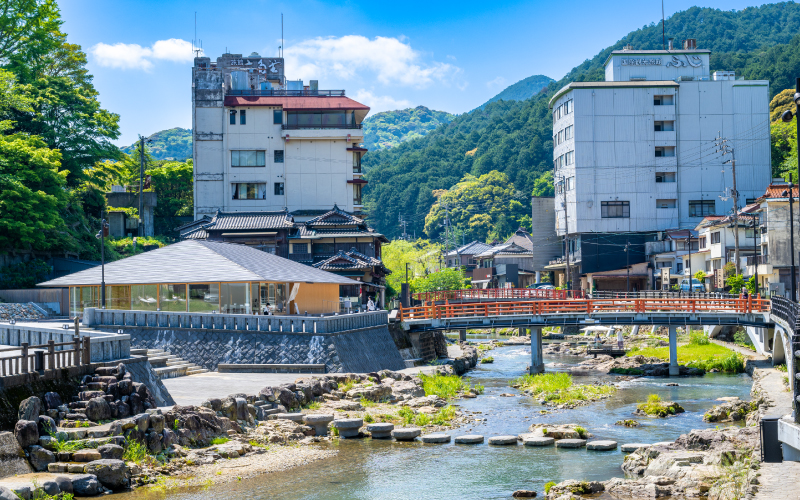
(105, 346)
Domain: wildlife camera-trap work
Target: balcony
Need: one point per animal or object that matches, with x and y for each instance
(286, 93)
(753, 260)
(322, 126)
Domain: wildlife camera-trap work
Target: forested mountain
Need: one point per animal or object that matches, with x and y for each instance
(171, 144)
(390, 128)
(515, 137)
(522, 90)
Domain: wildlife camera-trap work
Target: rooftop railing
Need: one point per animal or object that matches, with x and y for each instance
(285, 93)
(322, 126)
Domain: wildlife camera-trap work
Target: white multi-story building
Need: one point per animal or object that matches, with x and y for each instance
(637, 153)
(264, 143)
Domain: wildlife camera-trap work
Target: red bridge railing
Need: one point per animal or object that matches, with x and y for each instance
(496, 293)
(584, 306)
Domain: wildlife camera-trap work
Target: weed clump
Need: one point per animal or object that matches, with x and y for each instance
(559, 388)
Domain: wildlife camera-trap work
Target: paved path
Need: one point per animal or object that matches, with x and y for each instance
(195, 389)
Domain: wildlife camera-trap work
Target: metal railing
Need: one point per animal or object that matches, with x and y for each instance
(321, 126)
(285, 93)
(45, 356)
(496, 293)
(754, 260)
(660, 294)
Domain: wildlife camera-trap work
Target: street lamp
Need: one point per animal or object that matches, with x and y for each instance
(101, 235)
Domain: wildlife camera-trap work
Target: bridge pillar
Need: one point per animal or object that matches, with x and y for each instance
(462, 335)
(537, 361)
(523, 332)
(635, 330)
(674, 370)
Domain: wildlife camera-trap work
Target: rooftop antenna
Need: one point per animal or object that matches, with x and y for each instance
(281, 35)
(195, 49)
(663, 30)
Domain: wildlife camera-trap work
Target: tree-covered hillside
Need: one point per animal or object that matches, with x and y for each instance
(515, 137)
(522, 90)
(390, 128)
(171, 144)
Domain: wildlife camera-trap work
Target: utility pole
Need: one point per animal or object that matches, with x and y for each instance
(101, 235)
(689, 243)
(755, 252)
(725, 150)
(627, 264)
(791, 238)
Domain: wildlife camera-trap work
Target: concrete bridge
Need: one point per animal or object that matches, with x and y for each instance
(495, 309)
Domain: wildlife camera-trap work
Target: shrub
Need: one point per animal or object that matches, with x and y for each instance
(698, 339)
(444, 386)
(314, 405)
(444, 415)
(581, 431)
(406, 414)
(740, 337)
(657, 408)
(219, 440)
(422, 420)
(487, 360)
(347, 385)
(627, 371)
(548, 485)
(368, 418)
(558, 388)
(366, 402)
(136, 452)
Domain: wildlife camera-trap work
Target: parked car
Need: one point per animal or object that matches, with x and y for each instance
(697, 285)
(542, 286)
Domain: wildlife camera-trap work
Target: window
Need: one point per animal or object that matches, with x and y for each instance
(569, 158)
(278, 189)
(249, 191)
(701, 208)
(356, 162)
(749, 233)
(715, 238)
(278, 156)
(664, 126)
(665, 176)
(233, 117)
(615, 209)
(568, 107)
(568, 133)
(560, 138)
(247, 158)
(242, 118)
(663, 100)
(679, 266)
(357, 194)
(702, 242)
(665, 151)
(570, 183)
(321, 119)
(749, 201)
(663, 264)
(666, 203)
(277, 117)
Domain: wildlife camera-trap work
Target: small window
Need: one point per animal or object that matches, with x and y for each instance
(569, 157)
(249, 191)
(749, 233)
(702, 208)
(749, 201)
(615, 209)
(663, 100)
(277, 117)
(666, 203)
(278, 189)
(242, 118)
(233, 117)
(664, 126)
(715, 238)
(702, 242)
(247, 159)
(570, 183)
(568, 133)
(665, 151)
(278, 156)
(665, 176)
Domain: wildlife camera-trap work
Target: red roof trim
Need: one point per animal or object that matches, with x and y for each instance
(356, 181)
(296, 103)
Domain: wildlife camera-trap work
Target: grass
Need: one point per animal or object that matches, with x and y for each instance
(444, 415)
(368, 418)
(39, 494)
(256, 444)
(627, 371)
(136, 452)
(422, 420)
(485, 347)
(705, 356)
(314, 405)
(487, 359)
(406, 414)
(219, 440)
(558, 388)
(655, 407)
(548, 485)
(347, 385)
(581, 431)
(63, 445)
(782, 368)
(367, 403)
(444, 386)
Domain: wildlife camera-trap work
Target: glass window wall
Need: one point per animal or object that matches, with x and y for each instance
(144, 297)
(235, 298)
(118, 297)
(173, 297)
(82, 297)
(204, 297)
(273, 298)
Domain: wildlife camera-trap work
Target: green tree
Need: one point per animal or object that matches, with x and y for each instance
(700, 276)
(28, 28)
(446, 279)
(421, 256)
(544, 185)
(752, 286)
(735, 282)
(24, 275)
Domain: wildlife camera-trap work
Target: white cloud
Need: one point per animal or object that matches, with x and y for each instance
(134, 56)
(392, 61)
(497, 82)
(380, 103)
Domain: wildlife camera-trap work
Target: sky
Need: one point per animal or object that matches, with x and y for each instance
(448, 56)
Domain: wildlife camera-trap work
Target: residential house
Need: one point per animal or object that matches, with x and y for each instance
(504, 266)
(669, 252)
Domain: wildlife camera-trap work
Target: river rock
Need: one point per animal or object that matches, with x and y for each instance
(426, 401)
(142, 421)
(375, 392)
(64, 484)
(348, 427)
(157, 423)
(469, 439)
(52, 400)
(50, 488)
(111, 451)
(564, 431)
(600, 445)
(570, 443)
(98, 409)
(406, 390)
(406, 434)
(380, 430)
(631, 447)
(569, 489)
(503, 440)
(30, 408)
(112, 474)
(532, 440)
(7, 494)
(26, 432)
(436, 438)
(294, 417)
(40, 458)
(524, 494)
(86, 485)
(86, 455)
(46, 425)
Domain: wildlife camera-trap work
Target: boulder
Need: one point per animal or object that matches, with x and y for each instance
(406, 390)
(46, 425)
(86, 485)
(26, 432)
(469, 439)
(287, 398)
(86, 455)
(631, 447)
(242, 413)
(52, 400)
(524, 494)
(50, 488)
(406, 434)
(111, 451)
(503, 440)
(29, 409)
(113, 474)
(157, 423)
(40, 458)
(375, 392)
(154, 442)
(64, 484)
(7, 494)
(142, 421)
(97, 409)
(125, 387)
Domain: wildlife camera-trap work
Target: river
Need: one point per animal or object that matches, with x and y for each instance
(370, 469)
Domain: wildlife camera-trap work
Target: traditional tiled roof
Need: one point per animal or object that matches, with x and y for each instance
(193, 224)
(505, 249)
(233, 221)
(195, 234)
(680, 234)
(197, 261)
(473, 248)
(335, 217)
(352, 260)
(522, 238)
(777, 190)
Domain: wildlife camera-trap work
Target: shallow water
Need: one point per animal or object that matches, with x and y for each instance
(369, 469)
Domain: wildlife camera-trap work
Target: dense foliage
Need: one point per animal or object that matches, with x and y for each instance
(170, 144)
(783, 136)
(390, 128)
(445, 279)
(522, 90)
(515, 137)
(422, 257)
(24, 274)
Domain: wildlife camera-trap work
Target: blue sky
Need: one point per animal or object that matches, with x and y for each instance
(449, 56)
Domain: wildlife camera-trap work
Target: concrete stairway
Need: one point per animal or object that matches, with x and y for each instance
(167, 365)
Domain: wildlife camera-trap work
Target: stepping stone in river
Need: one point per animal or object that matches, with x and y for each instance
(407, 434)
(570, 443)
(294, 417)
(469, 439)
(631, 447)
(436, 438)
(381, 430)
(537, 441)
(600, 445)
(348, 427)
(319, 423)
(503, 440)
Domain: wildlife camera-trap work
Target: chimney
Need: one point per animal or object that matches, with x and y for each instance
(690, 44)
(671, 43)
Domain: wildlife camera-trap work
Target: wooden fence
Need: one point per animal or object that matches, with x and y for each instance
(45, 357)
